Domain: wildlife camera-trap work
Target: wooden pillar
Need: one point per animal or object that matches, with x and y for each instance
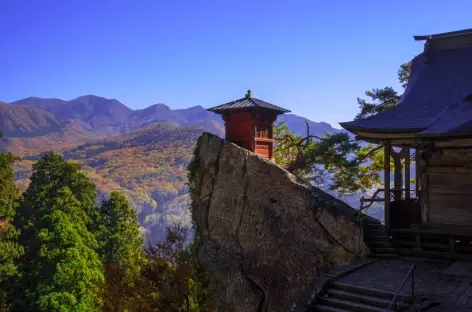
(424, 199)
(226, 120)
(387, 185)
(254, 136)
(418, 173)
(407, 173)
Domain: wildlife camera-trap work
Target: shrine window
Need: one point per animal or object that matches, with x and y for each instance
(262, 131)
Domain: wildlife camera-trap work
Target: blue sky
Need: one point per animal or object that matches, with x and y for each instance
(312, 57)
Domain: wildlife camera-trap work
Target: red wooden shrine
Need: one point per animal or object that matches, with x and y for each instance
(249, 123)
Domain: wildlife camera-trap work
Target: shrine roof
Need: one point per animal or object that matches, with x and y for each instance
(247, 102)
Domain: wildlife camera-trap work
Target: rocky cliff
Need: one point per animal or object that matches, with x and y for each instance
(264, 234)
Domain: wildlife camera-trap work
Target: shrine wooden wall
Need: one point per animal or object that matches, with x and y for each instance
(264, 144)
(264, 149)
(252, 130)
(449, 186)
(240, 129)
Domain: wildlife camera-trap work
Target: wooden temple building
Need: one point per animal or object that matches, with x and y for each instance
(249, 123)
(433, 119)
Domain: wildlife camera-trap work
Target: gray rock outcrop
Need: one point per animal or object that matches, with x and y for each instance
(264, 234)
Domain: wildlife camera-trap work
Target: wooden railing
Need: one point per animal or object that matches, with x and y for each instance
(378, 196)
(393, 304)
(375, 197)
(413, 194)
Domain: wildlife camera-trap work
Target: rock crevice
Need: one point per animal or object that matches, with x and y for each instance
(264, 234)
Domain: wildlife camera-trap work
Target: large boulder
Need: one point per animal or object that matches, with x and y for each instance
(264, 234)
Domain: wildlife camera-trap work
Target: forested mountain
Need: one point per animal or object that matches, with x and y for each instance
(29, 130)
(103, 115)
(17, 120)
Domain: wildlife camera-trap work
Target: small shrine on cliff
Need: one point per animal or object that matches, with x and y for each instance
(249, 123)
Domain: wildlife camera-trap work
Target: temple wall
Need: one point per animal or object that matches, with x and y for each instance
(449, 188)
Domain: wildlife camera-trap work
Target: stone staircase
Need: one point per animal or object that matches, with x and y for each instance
(376, 238)
(343, 297)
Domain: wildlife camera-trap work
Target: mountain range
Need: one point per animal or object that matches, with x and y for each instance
(91, 117)
(142, 153)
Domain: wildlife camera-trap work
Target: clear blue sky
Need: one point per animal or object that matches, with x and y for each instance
(313, 57)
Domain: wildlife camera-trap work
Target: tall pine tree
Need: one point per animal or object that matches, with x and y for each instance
(122, 250)
(346, 164)
(119, 237)
(60, 270)
(10, 250)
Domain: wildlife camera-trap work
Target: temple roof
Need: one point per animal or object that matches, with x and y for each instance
(434, 101)
(455, 119)
(247, 102)
(444, 35)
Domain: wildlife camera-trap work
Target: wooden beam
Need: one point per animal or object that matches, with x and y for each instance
(387, 185)
(454, 170)
(407, 173)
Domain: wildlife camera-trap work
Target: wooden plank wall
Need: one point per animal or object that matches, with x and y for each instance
(263, 149)
(450, 186)
(239, 128)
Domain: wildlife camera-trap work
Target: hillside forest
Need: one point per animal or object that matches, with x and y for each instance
(60, 251)
(94, 198)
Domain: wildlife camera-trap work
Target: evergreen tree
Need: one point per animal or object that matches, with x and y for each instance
(51, 173)
(60, 270)
(122, 250)
(119, 237)
(10, 250)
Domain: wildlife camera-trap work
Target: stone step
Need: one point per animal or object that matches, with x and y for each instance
(378, 231)
(338, 271)
(384, 250)
(365, 290)
(349, 305)
(367, 299)
(326, 308)
(385, 244)
(386, 256)
(380, 239)
(403, 243)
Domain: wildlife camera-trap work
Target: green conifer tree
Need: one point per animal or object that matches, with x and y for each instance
(60, 270)
(119, 237)
(10, 250)
(122, 251)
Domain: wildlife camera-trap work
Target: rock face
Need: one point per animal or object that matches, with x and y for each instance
(264, 233)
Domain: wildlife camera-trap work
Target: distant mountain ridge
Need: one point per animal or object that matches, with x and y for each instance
(108, 117)
(28, 130)
(16, 120)
(103, 115)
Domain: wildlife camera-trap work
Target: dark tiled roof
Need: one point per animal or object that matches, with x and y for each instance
(445, 35)
(455, 119)
(434, 89)
(247, 102)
